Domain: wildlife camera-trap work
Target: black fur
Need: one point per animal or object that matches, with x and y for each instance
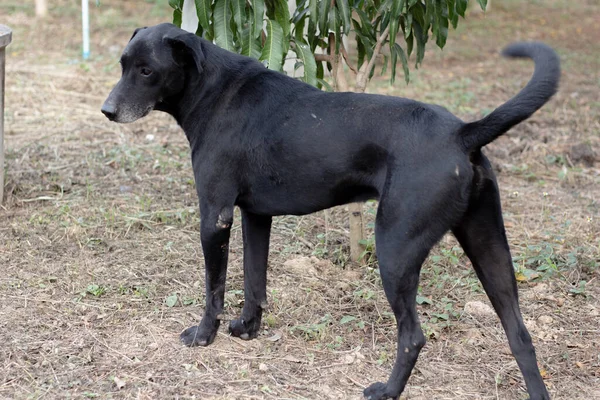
(273, 145)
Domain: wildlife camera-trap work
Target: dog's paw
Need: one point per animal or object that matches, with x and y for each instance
(378, 391)
(244, 329)
(198, 336)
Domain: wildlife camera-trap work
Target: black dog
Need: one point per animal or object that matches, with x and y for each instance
(273, 145)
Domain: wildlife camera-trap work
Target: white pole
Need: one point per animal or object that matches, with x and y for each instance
(5, 38)
(41, 8)
(85, 22)
(189, 17)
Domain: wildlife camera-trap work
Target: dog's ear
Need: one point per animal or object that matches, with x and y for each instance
(187, 44)
(136, 32)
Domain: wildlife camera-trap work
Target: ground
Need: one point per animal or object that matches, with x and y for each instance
(101, 266)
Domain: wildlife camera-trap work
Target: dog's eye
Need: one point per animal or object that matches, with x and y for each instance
(146, 71)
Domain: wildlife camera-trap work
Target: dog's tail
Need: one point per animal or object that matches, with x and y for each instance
(539, 90)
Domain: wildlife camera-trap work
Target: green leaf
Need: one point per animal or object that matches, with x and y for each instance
(272, 52)
(385, 65)
(308, 60)
(171, 301)
(258, 11)
(204, 13)
(385, 7)
(365, 43)
(443, 316)
(176, 4)
(282, 16)
(314, 11)
(344, 11)
(440, 25)
(239, 14)
(483, 4)
(365, 25)
(421, 41)
(334, 26)
(410, 40)
(394, 55)
(461, 7)
(452, 12)
(311, 35)
(325, 84)
(347, 318)
(393, 31)
(177, 18)
(222, 22)
(408, 28)
(299, 28)
(397, 8)
(418, 13)
(320, 71)
(399, 51)
(323, 16)
(423, 300)
(250, 45)
(429, 15)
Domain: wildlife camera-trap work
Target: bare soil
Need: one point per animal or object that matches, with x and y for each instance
(101, 261)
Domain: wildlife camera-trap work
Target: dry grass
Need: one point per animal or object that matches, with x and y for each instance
(98, 234)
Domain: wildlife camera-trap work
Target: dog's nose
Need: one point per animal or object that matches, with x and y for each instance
(109, 111)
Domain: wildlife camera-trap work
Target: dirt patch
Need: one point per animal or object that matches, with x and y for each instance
(102, 267)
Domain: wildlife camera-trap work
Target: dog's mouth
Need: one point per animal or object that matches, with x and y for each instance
(148, 110)
(128, 115)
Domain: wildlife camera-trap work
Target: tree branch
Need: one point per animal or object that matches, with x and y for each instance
(324, 57)
(347, 59)
(361, 79)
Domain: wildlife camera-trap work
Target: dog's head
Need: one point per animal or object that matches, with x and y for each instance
(154, 65)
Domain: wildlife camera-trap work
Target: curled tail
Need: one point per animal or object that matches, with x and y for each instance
(539, 90)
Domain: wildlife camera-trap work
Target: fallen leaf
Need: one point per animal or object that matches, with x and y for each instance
(275, 337)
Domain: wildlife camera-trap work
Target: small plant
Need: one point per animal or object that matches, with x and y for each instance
(579, 290)
(94, 290)
(313, 331)
(141, 291)
(337, 343)
(384, 357)
(270, 320)
(171, 300)
(189, 301)
(542, 261)
(365, 294)
(368, 255)
(234, 297)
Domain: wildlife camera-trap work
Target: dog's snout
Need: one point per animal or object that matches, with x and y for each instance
(109, 110)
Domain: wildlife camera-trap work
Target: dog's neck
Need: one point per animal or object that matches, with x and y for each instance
(218, 82)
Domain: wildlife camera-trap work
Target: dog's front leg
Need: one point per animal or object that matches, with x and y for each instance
(215, 227)
(256, 230)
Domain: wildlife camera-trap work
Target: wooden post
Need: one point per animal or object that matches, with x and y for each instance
(41, 8)
(5, 38)
(357, 230)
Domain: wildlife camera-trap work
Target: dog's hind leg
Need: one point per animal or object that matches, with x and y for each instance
(256, 231)
(409, 222)
(482, 236)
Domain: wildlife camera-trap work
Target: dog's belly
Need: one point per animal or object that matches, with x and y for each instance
(298, 199)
